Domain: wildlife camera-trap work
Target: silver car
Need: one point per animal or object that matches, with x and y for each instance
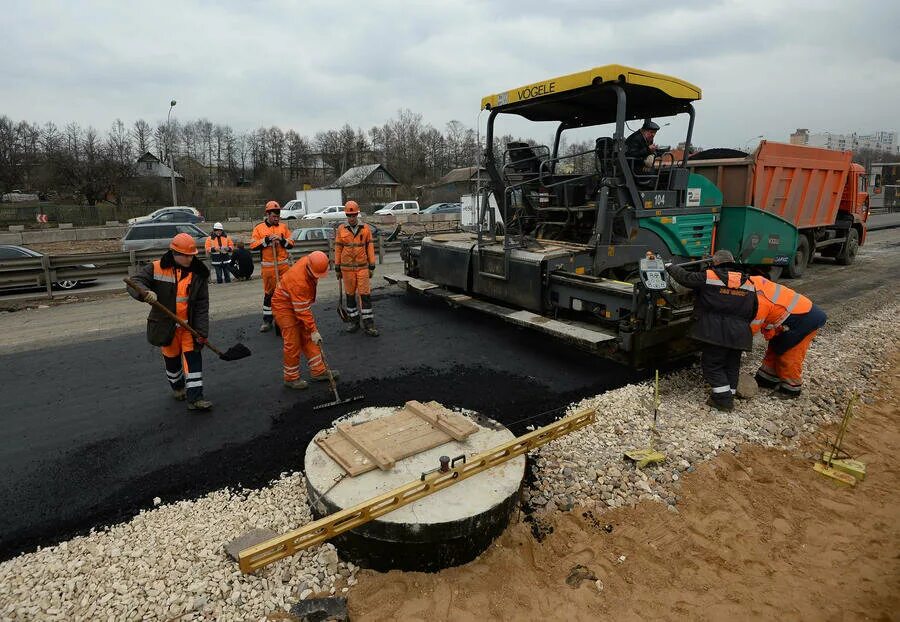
(158, 235)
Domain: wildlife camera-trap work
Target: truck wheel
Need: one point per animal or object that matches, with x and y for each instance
(849, 248)
(797, 267)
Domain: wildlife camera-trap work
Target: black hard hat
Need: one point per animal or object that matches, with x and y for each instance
(649, 125)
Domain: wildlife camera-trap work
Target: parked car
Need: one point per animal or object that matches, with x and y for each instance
(399, 207)
(293, 209)
(179, 216)
(158, 235)
(313, 233)
(332, 212)
(443, 208)
(10, 251)
(163, 210)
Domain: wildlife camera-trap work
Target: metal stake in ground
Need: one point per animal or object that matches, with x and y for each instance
(649, 455)
(337, 397)
(837, 463)
(234, 353)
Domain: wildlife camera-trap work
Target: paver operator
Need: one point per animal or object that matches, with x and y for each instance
(180, 282)
(292, 304)
(789, 321)
(725, 305)
(354, 262)
(271, 237)
(640, 148)
(219, 248)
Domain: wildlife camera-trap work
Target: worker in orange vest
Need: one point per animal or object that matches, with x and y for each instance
(292, 304)
(354, 262)
(219, 248)
(789, 322)
(272, 238)
(179, 281)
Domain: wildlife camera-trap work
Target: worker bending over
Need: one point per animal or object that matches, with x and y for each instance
(789, 322)
(219, 248)
(724, 306)
(271, 237)
(292, 304)
(354, 262)
(178, 281)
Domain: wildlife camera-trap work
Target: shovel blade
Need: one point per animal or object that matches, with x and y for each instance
(236, 352)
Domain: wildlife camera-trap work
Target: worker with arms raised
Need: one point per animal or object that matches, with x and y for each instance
(178, 281)
(271, 237)
(354, 262)
(724, 306)
(292, 304)
(789, 322)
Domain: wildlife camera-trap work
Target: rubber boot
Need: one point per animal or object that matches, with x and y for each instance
(787, 392)
(200, 404)
(764, 382)
(299, 383)
(265, 327)
(323, 377)
(722, 406)
(369, 326)
(179, 394)
(353, 326)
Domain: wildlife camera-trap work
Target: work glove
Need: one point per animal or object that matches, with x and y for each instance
(268, 240)
(284, 241)
(149, 297)
(201, 341)
(316, 338)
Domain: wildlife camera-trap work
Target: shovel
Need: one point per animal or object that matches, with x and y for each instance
(236, 352)
(337, 397)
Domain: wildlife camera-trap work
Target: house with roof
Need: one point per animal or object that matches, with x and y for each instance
(368, 185)
(452, 186)
(148, 165)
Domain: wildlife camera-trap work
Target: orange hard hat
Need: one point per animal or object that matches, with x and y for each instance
(272, 205)
(183, 243)
(351, 207)
(318, 264)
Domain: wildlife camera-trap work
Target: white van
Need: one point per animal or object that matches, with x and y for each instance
(399, 207)
(293, 209)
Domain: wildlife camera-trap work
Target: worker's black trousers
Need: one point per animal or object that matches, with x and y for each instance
(186, 373)
(721, 369)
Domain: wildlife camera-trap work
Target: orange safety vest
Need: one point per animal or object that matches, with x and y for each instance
(299, 286)
(259, 234)
(776, 304)
(354, 251)
(219, 245)
(182, 285)
(734, 281)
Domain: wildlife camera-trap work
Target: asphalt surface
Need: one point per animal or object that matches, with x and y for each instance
(91, 434)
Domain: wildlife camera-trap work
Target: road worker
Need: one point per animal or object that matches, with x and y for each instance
(789, 321)
(179, 281)
(219, 248)
(271, 237)
(354, 262)
(640, 148)
(724, 306)
(241, 262)
(292, 304)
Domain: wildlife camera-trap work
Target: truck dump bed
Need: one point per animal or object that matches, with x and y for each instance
(802, 185)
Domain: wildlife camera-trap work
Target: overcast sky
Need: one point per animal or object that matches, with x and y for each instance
(765, 66)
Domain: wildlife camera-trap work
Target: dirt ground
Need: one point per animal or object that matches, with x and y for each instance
(759, 535)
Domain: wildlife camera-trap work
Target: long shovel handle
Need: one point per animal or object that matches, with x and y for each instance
(161, 307)
(337, 397)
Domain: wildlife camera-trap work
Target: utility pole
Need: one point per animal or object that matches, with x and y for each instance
(171, 164)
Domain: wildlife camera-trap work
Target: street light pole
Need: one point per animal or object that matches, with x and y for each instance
(747, 144)
(171, 164)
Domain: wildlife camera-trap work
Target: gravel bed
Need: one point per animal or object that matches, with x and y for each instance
(169, 562)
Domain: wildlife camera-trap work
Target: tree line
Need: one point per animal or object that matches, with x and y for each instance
(89, 165)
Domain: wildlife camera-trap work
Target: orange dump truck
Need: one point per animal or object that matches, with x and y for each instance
(821, 192)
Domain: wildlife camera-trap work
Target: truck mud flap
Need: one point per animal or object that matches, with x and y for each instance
(592, 339)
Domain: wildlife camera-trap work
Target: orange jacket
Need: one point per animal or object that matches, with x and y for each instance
(776, 304)
(354, 250)
(299, 286)
(259, 234)
(218, 248)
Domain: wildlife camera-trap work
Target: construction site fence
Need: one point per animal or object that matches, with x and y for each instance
(47, 270)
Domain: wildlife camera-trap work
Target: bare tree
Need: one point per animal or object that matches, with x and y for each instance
(142, 133)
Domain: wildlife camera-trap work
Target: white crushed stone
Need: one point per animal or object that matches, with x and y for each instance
(169, 562)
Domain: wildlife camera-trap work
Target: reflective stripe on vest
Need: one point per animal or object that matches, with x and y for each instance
(734, 281)
(183, 286)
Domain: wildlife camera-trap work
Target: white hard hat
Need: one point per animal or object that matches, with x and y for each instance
(218, 225)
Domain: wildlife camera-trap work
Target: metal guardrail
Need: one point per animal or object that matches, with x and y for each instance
(46, 270)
